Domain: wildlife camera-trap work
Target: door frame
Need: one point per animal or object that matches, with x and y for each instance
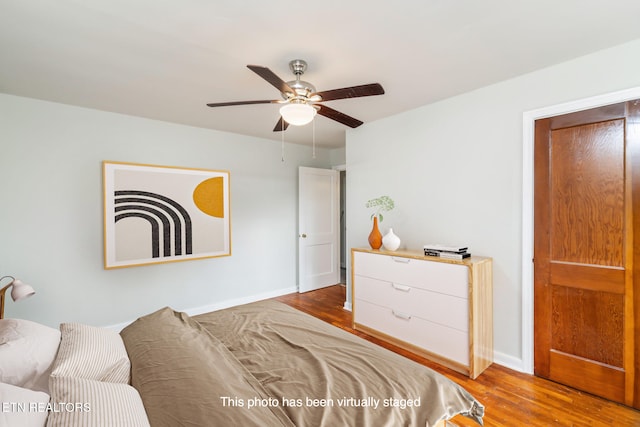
(347, 304)
(528, 138)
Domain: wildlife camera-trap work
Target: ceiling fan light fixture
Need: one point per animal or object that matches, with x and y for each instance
(297, 114)
(300, 99)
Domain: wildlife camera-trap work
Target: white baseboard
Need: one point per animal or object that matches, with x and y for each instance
(221, 305)
(239, 301)
(509, 362)
(347, 306)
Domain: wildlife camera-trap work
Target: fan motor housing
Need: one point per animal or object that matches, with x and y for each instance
(303, 89)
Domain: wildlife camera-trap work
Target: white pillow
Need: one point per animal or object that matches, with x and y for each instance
(91, 353)
(22, 407)
(90, 403)
(27, 350)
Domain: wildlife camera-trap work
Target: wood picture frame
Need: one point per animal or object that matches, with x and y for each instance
(158, 214)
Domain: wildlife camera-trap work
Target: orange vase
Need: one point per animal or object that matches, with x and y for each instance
(375, 237)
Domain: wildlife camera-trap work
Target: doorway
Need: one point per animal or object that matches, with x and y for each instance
(319, 228)
(586, 219)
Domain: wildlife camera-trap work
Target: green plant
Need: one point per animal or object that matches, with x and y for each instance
(380, 204)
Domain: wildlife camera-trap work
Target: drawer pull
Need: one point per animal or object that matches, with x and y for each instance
(402, 260)
(400, 287)
(401, 315)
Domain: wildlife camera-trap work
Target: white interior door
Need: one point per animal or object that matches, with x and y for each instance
(319, 232)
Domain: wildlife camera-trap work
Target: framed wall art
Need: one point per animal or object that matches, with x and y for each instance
(156, 214)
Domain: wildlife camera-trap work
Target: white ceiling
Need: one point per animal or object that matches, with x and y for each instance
(165, 59)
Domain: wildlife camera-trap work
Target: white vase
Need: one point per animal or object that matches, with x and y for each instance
(390, 241)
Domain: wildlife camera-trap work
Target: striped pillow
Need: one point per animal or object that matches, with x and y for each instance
(91, 353)
(88, 403)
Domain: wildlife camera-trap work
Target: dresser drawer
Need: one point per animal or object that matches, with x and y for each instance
(447, 342)
(442, 277)
(438, 308)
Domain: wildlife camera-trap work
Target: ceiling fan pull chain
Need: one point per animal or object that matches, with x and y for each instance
(313, 129)
(282, 121)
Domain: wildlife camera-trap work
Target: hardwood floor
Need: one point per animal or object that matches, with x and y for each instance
(511, 398)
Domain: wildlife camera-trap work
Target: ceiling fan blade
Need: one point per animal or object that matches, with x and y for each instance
(272, 78)
(351, 92)
(281, 125)
(227, 104)
(338, 116)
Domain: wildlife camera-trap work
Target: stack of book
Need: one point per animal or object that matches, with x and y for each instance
(449, 252)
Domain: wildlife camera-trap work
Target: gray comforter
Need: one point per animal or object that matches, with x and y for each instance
(267, 364)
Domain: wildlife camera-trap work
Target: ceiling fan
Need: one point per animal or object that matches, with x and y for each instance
(300, 100)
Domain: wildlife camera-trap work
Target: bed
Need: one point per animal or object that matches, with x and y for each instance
(262, 364)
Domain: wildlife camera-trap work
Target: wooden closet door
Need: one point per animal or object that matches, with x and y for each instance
(584, 209)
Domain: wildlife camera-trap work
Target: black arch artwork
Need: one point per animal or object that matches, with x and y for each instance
(167, 213)
(155, 229)
(160, 218)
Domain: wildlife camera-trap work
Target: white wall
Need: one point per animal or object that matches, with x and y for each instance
(51, 216)
(454, 169)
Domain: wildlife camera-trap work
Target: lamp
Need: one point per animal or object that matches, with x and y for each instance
(20, 290)
(297, 113)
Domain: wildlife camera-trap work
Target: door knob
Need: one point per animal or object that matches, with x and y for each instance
(304, 236)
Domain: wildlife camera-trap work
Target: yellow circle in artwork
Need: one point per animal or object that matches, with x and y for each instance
(209, 197)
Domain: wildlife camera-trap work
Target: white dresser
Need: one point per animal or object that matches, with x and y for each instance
(438, 308)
